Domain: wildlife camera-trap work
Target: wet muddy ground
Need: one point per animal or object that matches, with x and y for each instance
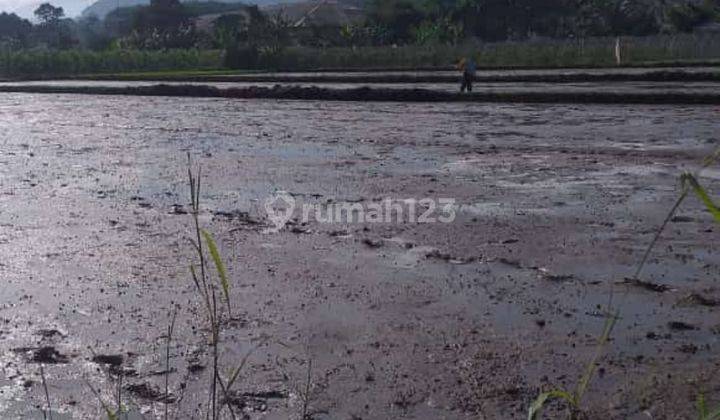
(549, 88)
(596, 94)
(679, 86)
(470, 319)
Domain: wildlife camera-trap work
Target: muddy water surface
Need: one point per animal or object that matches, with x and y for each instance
(481, 87)
(555, 206)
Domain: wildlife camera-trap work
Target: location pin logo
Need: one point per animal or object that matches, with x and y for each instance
(280, 209)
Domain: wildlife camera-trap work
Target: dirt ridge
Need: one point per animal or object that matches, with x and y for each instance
(366, 94)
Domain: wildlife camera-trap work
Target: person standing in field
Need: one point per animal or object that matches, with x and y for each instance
(468, 68)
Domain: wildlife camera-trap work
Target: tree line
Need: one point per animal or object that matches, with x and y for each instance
(451, 21)
(246, 33)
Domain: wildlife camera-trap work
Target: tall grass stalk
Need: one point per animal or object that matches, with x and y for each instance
(704, 412)
(119, 392)
(109, 413)
(203, 286)
(690, 185)
(574, 398)
(47, 415)
(207, 288)
(306, 392)
(170, 330)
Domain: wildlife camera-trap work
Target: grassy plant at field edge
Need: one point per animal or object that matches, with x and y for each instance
(207, 290)
(46, 414)
(109, 413)
(703, 410)
(689, 183)
(574, 399)
(170, 330)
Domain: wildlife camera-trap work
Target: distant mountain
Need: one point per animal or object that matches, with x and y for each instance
(102, 8)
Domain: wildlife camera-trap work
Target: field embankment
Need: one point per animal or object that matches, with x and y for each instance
(367, 94)
(704, 74)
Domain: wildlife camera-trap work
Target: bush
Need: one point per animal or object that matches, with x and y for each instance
(535, 53)
(43, 62)
(241, 57)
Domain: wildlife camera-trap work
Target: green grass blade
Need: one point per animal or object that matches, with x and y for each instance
(243, 362)
(714, 415)
(592, 366)
(536, 407)
(219, 266)
(202, 292)
(656, 238)
(710, 160)
(689, 179)
(195, 278)
(108, 412)
(702, 407)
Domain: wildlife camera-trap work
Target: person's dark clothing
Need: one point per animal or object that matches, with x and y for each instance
(467, 82)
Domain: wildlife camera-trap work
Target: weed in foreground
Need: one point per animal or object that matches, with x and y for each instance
(703, 411)
(170, 330)
(208, 288)
(46, 414)
(110, 414)
(574, 398)
(689, 184)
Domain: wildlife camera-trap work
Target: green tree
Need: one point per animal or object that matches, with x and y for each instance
(229, 29)
(252, 36)
(53, 31)
(687, 16)
(398, 17)
(161, 25)
(48, 14)
(619, 17)
(14, 31)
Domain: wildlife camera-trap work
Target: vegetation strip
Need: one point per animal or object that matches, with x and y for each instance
(656, 76)
(372, 94)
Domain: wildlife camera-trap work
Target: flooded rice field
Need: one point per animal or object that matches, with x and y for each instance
(554, 204)
(480, 87)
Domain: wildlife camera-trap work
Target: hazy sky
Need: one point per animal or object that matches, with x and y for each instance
(10, 5)
(26, 7)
